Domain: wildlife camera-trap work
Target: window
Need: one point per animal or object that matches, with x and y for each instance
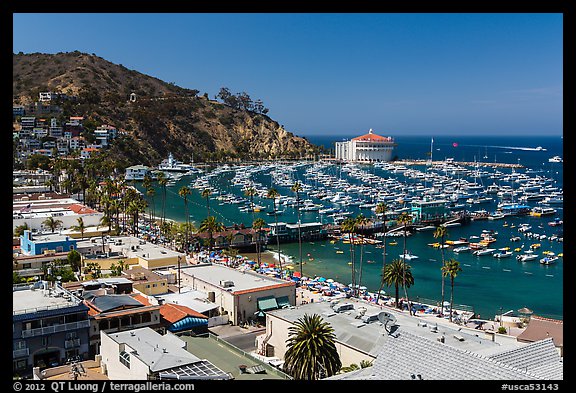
(19, 345)
(71, 247)
(124, 358)
(59, 249)
(46, 341)
(26, 265)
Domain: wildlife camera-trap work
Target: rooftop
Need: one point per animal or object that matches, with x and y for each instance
(26, 300)
(242, 280)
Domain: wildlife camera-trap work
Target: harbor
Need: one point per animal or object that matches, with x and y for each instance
(469, 199)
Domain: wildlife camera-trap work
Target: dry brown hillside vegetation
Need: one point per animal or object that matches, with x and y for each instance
(164, 118)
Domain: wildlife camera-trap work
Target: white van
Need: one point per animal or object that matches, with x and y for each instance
(343, 307)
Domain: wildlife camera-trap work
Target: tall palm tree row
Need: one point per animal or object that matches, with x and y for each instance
(273, 194)
(441, 232)
(311, 350)
(163, 182)
(297, 188)
(398, 274)
(451, 269)
(381, 211)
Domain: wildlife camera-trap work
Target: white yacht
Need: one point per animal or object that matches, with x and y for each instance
(172, 165)
(555, 159)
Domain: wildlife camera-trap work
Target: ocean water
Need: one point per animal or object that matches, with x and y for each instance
(486, 284)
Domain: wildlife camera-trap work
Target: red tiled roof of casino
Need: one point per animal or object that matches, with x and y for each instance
(371, 137)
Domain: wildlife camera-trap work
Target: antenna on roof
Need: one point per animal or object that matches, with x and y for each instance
(386, 318)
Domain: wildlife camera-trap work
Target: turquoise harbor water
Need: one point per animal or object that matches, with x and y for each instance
(488, 285)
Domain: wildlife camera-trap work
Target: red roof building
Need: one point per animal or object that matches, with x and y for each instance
(369, 147)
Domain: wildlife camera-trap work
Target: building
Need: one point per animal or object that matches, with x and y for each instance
(178, 318)
(540, 328)
(143, 354)
(289, 231)
(242, 295)
(366, 148)
(33, 265)
(49, 326)
(404, 347)
(43, 244)
(136, 172)
(34, 209)
(146, 281)
(116, 312)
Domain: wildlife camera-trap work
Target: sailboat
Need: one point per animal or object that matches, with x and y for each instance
(486, 152)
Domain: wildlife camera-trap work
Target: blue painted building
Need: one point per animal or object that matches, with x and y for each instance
(39, 244)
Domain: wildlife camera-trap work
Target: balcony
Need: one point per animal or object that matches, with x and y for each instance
(55, 329)
(72, 343)
(20, 353)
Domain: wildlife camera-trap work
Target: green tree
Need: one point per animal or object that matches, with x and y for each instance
(361, 221)
(51, 223)
(297, 188)
(441, 232)
(19, 230)
(163, 182)
(381, 211)
(273, 194)
(451, 269)
(405, 219)
(397, 274)
(74, 260)
(349, 226)
(184, 192)
(257, 226)
(211, 225)
(206, 195)
(311, 351)
(80, 227)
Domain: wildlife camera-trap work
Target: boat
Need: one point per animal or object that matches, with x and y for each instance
(496, 216)
(540, 211)
(461, 249)
(502, 254)
(526, 257)
(426, 228)
(515, 238)
(408, 256)
(484, 251)
(555, 159)
(556, 222)
(549, 260)
(393, 243)
(172, 165)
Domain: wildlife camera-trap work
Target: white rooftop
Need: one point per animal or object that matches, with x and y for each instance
(243, 280)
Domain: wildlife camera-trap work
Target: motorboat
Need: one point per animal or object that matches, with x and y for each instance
(502, 254)
(408, 256)
(549, 260)
(484, 251)
(461, 249)
(540, 211)
(526, 257)
(555, 159)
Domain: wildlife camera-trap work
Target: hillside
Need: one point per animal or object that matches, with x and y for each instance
(164, 118)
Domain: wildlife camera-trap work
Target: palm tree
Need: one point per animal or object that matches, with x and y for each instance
(104, 222)
(296, 188)
(361, 220)
(257, 226)
(163, 181)
(250, 192)
(80, 227)
(349, 226)
(211, 225)
(451, 269)
(184, 192)
(441, 232)
(206, 194)
(381, 211)
(273, 194)
(398, 274)
(19, 230)
(404, 219)
(311, 351)
(51, 223)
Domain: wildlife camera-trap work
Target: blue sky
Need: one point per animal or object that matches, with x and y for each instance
(341, 73)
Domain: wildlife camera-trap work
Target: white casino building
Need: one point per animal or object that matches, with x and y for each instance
(366, 148)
